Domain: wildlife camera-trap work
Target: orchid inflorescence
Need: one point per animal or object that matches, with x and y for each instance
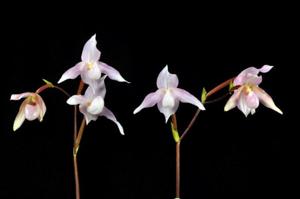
(245, 88)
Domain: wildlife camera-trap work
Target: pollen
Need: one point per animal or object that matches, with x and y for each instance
(90, 65)
(248, 89)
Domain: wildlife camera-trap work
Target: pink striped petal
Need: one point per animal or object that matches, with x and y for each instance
(242, 105)
(150, 100)
(265, 68)
(90, 53)
(166, 79)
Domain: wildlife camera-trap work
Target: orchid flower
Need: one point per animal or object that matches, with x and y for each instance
(91, 104)
(249, 94)
(90, 68)
(167, 96)
(33, 107)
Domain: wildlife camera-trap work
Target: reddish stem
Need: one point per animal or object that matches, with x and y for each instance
(76, 143)
(178, 169)
(211, 92)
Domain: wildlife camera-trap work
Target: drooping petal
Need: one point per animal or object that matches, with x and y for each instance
(242, 105)
(96, 105)
(168, 110)
(266, 99)
(166, 79)
(265, 68)
(111, 72)
(20, 116)
(42, 107)
(76, 99)
(251, 99)
(87, 116)
(20, 96)
(168, 99)
(31, 112)
(109, 115)
(90, 53)
(186, 97)
(233, 100)
(71, 73)
(150, 100)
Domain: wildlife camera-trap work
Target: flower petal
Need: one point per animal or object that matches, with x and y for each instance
(233, 100)
(266, 99)
(42, 107)
(242, 105)
(87, 116)
(186, 97)
(166, 79)
(20, 96)
(90, 53)
(76, 99)
(93, 72)
(168, 110)
(168, 99)
(150, 100)
(88, 76)
(249, 75)
(111, 72)
(96, 88)
(31, 112)
(71, 73)
(251, 100)
(96, 105)
(244, 75)
(20, 116)
(109, 115)
(265, 68)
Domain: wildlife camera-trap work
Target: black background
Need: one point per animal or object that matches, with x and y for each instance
(225, 154)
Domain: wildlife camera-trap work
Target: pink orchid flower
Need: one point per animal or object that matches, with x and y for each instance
(249, 94)
(91, 104)
(33, 107)
(90, 68)
(167, 96)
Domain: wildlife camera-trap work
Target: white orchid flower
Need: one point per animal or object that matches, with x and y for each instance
(167, 96)
(91, 104)
(249, 94)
